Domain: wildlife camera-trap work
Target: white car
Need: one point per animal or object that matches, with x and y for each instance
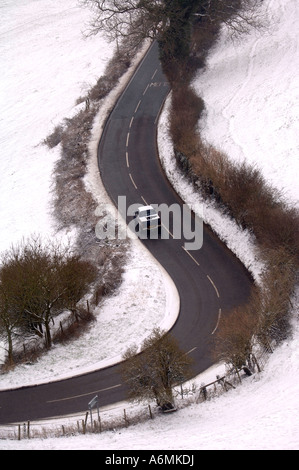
(146, 219)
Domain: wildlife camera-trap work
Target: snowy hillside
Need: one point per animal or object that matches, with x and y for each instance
(251, 95)
(253, 113)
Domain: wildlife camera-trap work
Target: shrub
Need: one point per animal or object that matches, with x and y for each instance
(275, 295)
(55, 138)
(186, 109)
(153, 373)
(242, 192)
(37, 282)
(234, 339)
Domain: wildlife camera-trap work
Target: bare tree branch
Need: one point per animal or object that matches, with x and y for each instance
(152, 374)
(152, 18)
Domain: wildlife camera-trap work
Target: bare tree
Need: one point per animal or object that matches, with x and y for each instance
(155, 18)
(239, 15)
(153, 373)
(10, 322)
(123, 18)
(38, 282)
(264, 319)
(274, 300)
(235, 338)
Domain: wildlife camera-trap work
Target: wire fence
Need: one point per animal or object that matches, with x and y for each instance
(98, 420)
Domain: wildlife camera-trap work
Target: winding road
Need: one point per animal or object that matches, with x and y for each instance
(210, 281)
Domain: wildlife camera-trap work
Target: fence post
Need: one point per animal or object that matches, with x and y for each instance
(19, 432)
(125, 418)
(257, 364)
(83, 426)
(28, 429)
(239, 377)
(85, 423)
(150, 411)
(221, 380)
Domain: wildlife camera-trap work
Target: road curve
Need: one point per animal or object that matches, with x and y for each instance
(210, 281)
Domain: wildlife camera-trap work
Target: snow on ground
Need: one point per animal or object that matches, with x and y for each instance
(47, 65)
(255, 115)
(263, 413)
(241, 242)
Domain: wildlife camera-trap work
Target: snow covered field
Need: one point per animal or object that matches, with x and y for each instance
(253, 114)
(46, 66)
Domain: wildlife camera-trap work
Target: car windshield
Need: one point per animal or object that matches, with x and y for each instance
(146, 212)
